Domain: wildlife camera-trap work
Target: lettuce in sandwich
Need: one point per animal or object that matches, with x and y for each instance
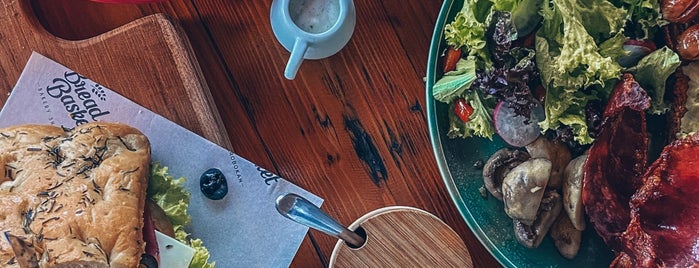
(169, 194)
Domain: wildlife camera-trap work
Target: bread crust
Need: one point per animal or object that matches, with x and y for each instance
(76, 195)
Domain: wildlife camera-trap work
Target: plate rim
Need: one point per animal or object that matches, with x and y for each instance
(435, 140)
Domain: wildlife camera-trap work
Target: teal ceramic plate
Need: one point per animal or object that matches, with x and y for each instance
(486, 217)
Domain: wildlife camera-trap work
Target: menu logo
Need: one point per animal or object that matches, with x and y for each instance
(267, 176)
(78, 98)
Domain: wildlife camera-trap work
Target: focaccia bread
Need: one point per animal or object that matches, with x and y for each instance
(75, 196)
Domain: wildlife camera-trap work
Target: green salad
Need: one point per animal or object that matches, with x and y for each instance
(168, 193)
(566, 55)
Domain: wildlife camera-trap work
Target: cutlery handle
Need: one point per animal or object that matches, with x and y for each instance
(302, 211)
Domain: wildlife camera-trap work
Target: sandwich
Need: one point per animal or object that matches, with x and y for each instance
(76, 197)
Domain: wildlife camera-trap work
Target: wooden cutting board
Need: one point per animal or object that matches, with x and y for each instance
(402, 237)
(149, 61)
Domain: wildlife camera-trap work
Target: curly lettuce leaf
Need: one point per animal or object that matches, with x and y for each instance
(453, 84)
(652, 72)
(480, 123)
(467, 30)
(614, 47)
(525, 15)
(168, 193)
(573, 68)
(506, 5)
(600, 18)
(201, 254)
(644, 17)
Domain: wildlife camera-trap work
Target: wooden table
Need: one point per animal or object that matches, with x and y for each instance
(351, 128)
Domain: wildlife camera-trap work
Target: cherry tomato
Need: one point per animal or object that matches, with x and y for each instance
(462, 109)
(452, 57)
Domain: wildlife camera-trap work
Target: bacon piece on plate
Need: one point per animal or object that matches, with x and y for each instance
(616, 161)
(678, 108)
(664, 228)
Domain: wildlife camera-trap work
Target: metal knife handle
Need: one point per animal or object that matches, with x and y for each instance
(302, 211)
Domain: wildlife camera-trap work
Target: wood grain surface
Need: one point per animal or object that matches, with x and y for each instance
(351, 128)
(401, 237)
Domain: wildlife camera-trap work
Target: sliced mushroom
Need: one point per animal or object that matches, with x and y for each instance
(531, 236)
(523, 188)
(565, 237)
(498, 165)
(556, 152)
(572, 187)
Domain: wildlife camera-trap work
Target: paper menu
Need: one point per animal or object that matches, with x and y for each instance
(242, 230)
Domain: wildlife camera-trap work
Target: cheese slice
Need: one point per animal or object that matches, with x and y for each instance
(173, 253)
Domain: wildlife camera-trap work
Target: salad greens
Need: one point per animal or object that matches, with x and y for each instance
(643, 17)
(168, 193)
(652, 72)
(456, 82)
(577, 46)
(480, 123)
(468, 30)
(569, 57)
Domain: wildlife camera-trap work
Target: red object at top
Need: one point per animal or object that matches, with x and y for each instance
(127, 1)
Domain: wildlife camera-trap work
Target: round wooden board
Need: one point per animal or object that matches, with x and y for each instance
(403, 237)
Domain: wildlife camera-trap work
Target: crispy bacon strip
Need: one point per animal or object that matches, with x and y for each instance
(678, 108)
(664, 229)
(616, 161)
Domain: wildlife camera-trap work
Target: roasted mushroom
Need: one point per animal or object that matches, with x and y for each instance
(498, 165)
(523, 188)
(572, 188)
(565, 237)
(531, 235)
(556, 152)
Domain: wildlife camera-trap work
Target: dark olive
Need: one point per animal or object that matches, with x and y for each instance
(148, 261)
(213, 184)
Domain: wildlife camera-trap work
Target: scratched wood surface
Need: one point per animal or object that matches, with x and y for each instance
(351, 128)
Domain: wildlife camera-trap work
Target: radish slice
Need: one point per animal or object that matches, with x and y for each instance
(513, 129)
